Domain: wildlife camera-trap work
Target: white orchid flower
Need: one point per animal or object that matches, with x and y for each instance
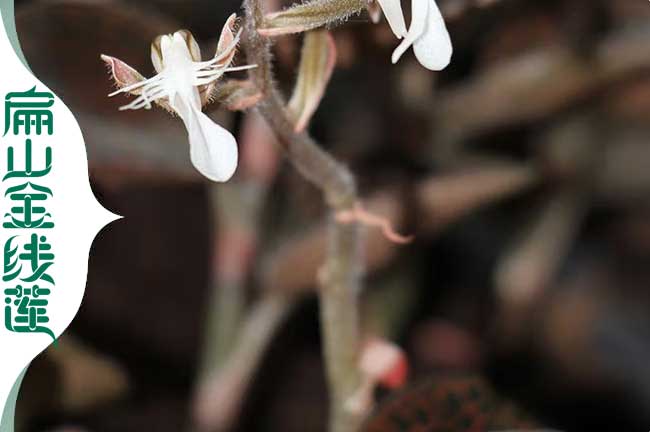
(427, 34)
(183, 85)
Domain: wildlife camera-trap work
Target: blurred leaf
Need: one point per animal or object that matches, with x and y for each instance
(88, 377)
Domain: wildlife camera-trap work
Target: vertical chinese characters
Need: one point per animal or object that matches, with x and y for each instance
(27, 254)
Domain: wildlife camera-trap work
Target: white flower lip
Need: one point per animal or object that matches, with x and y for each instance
(180, 79)
(393, 12)
(427, 34)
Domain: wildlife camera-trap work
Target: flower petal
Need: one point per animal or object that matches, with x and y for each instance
(433, 49)
(419, 13)
(192, 45)
(156, 54)
(394, 15)
(226, 40)
(374, 11)
(226, 48)
(384, 362)
(213, 150)
(123, 74)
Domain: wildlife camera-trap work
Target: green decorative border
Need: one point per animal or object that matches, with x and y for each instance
(9, 413)
(8, 18)
(9, 21)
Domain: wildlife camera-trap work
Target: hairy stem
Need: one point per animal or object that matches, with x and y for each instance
(341, 272)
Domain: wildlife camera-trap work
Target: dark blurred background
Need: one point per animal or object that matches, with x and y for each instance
(523, 169)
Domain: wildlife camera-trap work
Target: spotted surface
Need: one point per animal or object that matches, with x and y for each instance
(448, 404)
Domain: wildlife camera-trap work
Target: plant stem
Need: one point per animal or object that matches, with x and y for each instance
(340, 275)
